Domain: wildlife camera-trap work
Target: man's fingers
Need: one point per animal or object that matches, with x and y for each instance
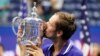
(30, 49)
(32, 53)
(20, 32)
(39, 41)
(19, 35)
(32, 45)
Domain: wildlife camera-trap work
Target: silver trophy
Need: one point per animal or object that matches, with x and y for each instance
(30, 25)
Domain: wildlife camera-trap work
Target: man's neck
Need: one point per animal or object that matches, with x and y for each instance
(58, 45)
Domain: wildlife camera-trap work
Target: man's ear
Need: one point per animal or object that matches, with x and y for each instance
(59, 33)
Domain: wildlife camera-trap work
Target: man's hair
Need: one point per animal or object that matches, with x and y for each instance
(66, 23)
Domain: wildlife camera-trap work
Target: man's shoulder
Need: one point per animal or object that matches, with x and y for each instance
(75, 51)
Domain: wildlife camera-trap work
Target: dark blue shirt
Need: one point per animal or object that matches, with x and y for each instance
(68, 50)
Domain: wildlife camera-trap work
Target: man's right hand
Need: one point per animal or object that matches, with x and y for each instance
(20, 32)
(22, 47)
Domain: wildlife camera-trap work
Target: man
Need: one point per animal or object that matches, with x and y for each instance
(60, 27)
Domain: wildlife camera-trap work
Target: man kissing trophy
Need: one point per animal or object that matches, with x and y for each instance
(30, 26)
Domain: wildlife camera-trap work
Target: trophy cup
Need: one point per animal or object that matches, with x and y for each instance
(30, 26)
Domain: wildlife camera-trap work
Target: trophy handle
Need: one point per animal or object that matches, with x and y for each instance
(21, 23)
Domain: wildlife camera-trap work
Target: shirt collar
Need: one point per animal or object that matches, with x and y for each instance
(65, 48)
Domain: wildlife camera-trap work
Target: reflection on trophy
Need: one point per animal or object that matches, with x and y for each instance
(30, 26)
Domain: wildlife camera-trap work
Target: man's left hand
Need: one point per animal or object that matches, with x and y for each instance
(34, 50)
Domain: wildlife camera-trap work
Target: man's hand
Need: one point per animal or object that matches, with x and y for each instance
(34, 50)
(20, 32)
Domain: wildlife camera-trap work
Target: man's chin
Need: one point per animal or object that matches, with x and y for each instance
(46, 36)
